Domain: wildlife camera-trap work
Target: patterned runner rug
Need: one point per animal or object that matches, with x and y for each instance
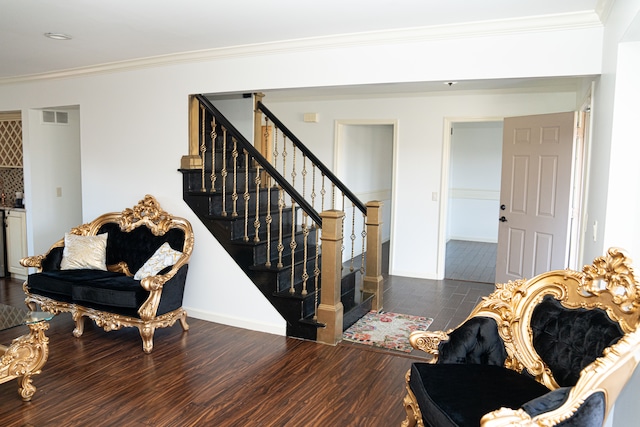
(386, 330)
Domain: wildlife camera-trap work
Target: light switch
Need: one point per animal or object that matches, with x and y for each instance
(58, 191)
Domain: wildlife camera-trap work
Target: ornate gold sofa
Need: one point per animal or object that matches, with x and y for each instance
(123, 269)
(553, 350)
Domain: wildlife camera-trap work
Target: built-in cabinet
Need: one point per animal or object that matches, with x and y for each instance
(16, 238)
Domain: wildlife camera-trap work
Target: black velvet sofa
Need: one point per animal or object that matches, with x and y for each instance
(553, 350)
(123, 269)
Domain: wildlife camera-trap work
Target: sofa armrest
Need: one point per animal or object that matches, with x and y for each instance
(33, 261)
(428, 342)
(476, 341)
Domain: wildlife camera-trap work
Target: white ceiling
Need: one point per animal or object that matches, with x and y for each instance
(120, 31)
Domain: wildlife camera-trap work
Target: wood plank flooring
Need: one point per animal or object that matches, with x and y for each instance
(216, 375)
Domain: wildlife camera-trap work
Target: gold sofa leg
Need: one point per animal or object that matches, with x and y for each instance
(414, 416)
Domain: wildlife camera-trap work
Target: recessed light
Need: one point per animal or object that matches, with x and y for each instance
(58, 36)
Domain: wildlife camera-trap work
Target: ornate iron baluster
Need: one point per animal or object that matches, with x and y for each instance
(246, 196)
(280, 210)
(256, 223)
(316, 273)
(305, 253)
(364, 238)
(268, 221)
(275, 151)
(353, 234)
(213, 135)
(293, 245)
(234, 195)
(203, 149)
(224, 172)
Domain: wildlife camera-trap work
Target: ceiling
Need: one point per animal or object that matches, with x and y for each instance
(117, 32)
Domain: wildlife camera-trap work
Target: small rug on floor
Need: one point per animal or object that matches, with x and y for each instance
(386, 330)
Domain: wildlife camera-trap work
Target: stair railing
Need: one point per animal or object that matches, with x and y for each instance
(285, 196)
(285, 143)
(365, 250)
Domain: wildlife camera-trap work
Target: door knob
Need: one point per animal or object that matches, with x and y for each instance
(503, 219)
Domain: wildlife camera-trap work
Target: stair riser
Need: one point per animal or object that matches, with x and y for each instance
(236, 226)
(260, 251)
(211, 203)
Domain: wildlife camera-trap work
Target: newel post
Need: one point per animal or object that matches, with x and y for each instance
(330, 310)
(372, 282)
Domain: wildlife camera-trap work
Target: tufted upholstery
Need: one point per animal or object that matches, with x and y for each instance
(568, 340)
(552, 350)
(115, 298)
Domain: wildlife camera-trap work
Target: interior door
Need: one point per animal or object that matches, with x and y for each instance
(535, 195)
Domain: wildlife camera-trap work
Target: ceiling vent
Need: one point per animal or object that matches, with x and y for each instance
(55, 117)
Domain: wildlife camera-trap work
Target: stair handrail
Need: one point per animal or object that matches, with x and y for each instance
(321, 166)
(262, 161)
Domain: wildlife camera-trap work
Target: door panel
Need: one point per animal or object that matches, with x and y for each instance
(536, 194)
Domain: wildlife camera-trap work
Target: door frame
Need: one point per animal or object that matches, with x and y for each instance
(339, 125)
(580, 184)
(444, 185)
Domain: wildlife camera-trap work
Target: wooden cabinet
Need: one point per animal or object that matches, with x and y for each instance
(16, 237)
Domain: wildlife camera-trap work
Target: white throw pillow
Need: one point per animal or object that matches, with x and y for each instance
(163, 257)
(84, 252)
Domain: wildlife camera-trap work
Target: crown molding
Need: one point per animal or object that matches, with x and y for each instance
(557, 22)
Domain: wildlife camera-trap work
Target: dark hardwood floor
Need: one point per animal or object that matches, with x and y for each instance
(216, 375)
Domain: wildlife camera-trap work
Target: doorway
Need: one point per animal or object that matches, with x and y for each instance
(364, 159)
(473, 192)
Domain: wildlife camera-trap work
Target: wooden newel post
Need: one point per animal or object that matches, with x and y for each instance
(330, 310)
(372, 283)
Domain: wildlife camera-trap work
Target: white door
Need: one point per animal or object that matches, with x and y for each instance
(535, 195)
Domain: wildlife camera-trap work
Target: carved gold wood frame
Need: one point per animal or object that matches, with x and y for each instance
(24, 358)
(609, 283)
(146, 213)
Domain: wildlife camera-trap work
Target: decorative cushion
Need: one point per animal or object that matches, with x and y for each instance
(165, 256)
(459, 394)
(84, 252)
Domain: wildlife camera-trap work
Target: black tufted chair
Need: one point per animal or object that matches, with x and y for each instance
(553, 350)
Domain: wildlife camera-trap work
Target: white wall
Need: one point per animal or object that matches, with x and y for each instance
(419, 156)
(474, 181)
(134, 129)
(365, 164)
(51, 162)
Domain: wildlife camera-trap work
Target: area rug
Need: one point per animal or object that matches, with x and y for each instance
(386, 330)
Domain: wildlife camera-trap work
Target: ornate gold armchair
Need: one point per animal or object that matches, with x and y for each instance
(553, 350)
(123, 269)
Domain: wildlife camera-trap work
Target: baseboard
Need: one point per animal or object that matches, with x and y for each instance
(473, 239)
(275, 329)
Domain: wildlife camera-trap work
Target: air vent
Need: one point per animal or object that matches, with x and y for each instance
(57, 117)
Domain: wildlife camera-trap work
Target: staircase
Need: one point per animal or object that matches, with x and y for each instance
(270, 230)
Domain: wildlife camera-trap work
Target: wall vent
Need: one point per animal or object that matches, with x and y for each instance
(58, 117)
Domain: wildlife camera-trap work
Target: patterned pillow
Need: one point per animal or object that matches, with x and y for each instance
(81, 252)
(163, 257)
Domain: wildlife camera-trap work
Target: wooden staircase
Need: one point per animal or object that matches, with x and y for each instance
(233, 225)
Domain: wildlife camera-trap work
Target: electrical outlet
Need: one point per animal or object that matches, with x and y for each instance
(434, 196)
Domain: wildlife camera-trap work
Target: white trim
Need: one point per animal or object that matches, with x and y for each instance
(472, 239)
(472, 193)
(276, 329)
(382, 194)
(394, 166)
(556, 22)
(444, 185)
